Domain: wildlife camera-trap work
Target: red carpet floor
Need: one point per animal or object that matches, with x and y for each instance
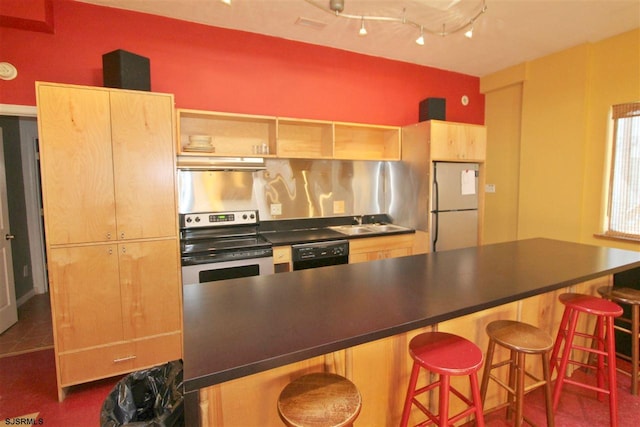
(578, 406)
(28, 386)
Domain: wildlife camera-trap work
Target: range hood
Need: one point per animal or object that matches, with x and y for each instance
(221, 163)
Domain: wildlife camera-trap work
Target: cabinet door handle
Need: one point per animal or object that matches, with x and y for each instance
(124, 250)
(9, 237)
(108, 236)
(122, 235)
(110, 251)
(123, 359)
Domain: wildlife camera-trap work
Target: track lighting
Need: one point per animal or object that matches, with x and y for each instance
(420, 40)
(363, 30)
(469, 33)
(336, 7)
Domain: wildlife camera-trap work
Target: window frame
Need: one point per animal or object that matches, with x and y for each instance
(619, 112)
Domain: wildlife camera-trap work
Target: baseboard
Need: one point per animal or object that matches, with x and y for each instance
(26, 297)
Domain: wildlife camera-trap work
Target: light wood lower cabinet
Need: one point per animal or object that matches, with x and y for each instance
(282, 259)
(361, 250)
(375, 248)
(114, 308)
(119, 358)
(381, 368)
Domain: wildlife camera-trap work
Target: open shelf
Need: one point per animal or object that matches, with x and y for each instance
(308, 139)
(231, 134)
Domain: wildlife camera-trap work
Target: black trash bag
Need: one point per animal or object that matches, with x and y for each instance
(151, 398)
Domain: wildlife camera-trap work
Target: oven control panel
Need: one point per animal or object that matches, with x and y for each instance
(218, 219)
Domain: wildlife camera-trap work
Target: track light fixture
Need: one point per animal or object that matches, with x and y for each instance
(336, 7)
(420, 40)
(363, 30)
(469, 33)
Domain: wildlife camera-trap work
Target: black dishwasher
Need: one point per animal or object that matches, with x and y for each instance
(319, 254)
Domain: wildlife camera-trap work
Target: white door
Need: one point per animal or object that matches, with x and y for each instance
(8, 309)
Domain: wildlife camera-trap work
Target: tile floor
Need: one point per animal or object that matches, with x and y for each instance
(33, 330)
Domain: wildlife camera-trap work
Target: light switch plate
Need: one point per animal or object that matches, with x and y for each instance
(490, 188)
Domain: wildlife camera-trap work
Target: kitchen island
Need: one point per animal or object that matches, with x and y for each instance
(237, 331)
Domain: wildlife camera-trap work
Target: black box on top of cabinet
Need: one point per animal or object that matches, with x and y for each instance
(433, 109)
(126, 70)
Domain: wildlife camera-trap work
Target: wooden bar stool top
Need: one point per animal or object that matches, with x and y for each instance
(319, 400)
(518, 336)
(521, 339)
(621, 295)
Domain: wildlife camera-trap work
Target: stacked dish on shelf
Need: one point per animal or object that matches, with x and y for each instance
(200, 143)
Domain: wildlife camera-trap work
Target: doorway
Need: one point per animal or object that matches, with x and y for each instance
(29, 267)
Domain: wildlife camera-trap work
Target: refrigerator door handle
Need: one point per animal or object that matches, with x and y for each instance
(435, 212)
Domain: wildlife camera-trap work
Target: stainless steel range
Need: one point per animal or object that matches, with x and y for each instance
(223, 245)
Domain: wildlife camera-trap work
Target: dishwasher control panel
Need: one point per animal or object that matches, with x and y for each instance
(320, 250)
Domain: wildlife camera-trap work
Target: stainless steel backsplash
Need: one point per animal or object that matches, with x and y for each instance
(303, 188)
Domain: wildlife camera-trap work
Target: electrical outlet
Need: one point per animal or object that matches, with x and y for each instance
(338, 207)
(276, 209)
(490, 188)
(25, 271)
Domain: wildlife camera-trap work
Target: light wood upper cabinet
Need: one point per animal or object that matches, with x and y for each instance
(457, 141)
(107, 165)
(143, 165)
(231, 134)
(307, 139)
(366, 142)
(241, 135)
(76, 164)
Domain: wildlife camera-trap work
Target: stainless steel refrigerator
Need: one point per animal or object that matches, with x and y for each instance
(411, 193)
(454, 205)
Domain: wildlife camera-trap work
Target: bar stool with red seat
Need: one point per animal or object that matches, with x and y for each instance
(606, 311)
(446, 355)
(630, 297)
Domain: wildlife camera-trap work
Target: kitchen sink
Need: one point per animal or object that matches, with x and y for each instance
(352, 230)
(384, 228)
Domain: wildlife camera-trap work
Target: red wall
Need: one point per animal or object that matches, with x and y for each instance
(223, 70)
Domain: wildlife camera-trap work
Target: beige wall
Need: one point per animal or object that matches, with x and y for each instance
(547, 126)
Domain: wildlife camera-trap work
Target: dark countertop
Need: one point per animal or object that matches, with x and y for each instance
(292, 237)
(234, 328)
(309, 230)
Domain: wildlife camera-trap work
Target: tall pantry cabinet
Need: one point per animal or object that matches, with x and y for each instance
(109, 197)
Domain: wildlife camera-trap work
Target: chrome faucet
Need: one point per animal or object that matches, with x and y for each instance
(358, 219)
